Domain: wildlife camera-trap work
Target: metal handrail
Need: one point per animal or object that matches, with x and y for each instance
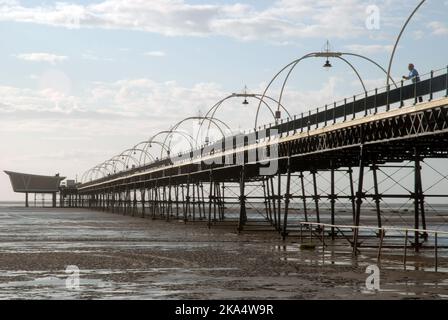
(373, 228)
(381, 230)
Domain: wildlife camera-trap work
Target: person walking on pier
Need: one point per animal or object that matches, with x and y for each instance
(414, 76)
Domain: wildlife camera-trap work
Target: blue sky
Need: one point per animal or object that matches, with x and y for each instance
(82, 80)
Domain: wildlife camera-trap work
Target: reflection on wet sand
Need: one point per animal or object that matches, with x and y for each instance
(123, 257)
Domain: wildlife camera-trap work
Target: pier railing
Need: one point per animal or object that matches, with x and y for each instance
(367, 103)
(306, 231)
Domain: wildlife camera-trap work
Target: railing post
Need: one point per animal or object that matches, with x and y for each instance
(446, 82)
(295, 124)
(388, 98)
(309, 121)
(365, 104)
(415, 92)
(345, 109)
(326, 115)
(334, 111)
(431, 95)
(354, 111)
(401, 94)
(301, 123)
(376, 101)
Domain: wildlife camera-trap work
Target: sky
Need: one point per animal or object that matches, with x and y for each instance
(81, 81)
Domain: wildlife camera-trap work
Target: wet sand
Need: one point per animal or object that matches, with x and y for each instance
(122, 257)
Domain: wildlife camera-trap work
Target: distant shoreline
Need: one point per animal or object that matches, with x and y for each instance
(12, 201)
(8, 203)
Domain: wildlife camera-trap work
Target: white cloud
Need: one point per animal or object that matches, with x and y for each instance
(369, 49)
(130, 98)
(41, 57)
(284, 20)
(159, 104)
(91, 56)
(438, 28)
(155, 54)
(113, 116)
(418, 34)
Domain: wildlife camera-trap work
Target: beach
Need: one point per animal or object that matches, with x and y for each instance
(123, 257)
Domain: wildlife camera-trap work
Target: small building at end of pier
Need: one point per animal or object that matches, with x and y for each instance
(37, 184)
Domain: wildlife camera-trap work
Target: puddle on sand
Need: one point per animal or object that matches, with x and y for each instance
(122, 258)
(155, 283)
(342, 256)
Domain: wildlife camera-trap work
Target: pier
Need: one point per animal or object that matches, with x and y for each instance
(282, 174)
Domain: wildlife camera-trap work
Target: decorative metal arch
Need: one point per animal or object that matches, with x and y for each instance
(102, 166)
(292, 65)
(134, 150)
(398, 40)
(165, 147)
(216, 122)
(88, 173)
(113, 162)
(95, 170)
(127, 154)
(146, 145)
(256, 96)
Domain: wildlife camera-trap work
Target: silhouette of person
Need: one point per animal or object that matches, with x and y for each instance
(414, 76)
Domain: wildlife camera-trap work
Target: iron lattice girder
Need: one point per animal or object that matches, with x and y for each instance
(406, 126)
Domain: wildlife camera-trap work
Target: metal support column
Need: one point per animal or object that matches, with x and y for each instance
(316, 196)
(359, 197)
(287, 198)
(210, 199)
(352, 193)
(377, 196)
(417, 188)
(305, 210)
(279, 201)
(142, 199)
(332, 200)
(242, 198)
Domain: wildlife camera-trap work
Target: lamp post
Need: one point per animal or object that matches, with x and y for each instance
(245, 102)
(326, 53)
(327, 50)
(257, 96)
